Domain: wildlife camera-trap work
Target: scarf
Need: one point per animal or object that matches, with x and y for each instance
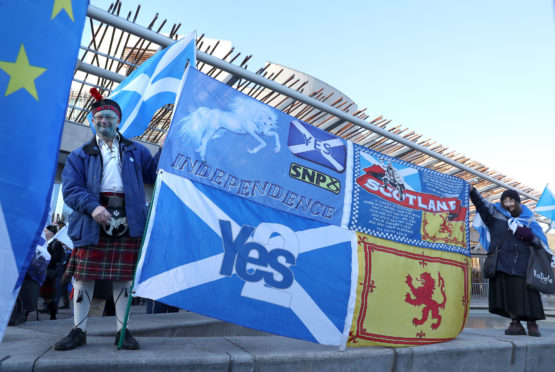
(526, 218)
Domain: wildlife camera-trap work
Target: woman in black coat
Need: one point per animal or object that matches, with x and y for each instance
(508, 294)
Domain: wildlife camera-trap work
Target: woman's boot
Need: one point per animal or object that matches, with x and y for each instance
(515, 328)
(533, 329)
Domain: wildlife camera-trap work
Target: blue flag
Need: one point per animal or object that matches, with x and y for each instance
(228, 140)
(546, 204)
(40, 43)
(154, 84)
(224, 256)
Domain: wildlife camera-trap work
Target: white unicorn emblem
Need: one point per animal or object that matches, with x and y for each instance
(246, 116)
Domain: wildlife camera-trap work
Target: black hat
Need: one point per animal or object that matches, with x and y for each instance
(103, 104)
(510, 194)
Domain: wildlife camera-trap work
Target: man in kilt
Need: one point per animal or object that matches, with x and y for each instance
(103, 182)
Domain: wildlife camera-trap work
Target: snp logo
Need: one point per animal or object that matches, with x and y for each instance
(263, 257)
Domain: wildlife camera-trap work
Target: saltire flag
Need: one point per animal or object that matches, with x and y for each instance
(39, 50)
(408, 295)
(319, 146)
(230, 258)
(152, 85)
(546, 205)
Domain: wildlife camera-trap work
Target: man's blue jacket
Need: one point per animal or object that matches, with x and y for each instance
(81, 179)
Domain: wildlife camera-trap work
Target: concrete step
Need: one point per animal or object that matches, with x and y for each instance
(190, 342)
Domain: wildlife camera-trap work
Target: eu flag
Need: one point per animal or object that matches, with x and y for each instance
(40, 42)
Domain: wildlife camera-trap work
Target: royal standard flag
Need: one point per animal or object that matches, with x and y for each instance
(40, 42)
(408, 295)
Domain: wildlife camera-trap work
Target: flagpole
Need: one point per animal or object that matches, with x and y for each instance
(130, 300)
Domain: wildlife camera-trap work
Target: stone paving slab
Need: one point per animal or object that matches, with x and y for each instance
(156, 354)
(482, 346)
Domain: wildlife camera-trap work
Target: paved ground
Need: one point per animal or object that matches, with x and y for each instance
(189, 342)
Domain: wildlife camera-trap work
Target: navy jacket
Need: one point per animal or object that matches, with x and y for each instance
(514, 252)
(81, 179)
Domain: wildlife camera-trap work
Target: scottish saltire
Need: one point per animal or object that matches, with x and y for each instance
(317, 145)
(40, 42)
(402, 202)
(408, 295)
(526, 218)
(483, 231)
(230, 141)
(230, 258)
(546, 205)
(154, 84)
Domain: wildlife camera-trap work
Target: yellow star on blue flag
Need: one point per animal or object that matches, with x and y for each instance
(22, 74)
(60, 5)
(40, 45)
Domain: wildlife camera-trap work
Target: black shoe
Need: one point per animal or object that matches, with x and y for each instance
(129, 342)
(515, 329)
(75, 338)
(533, 329)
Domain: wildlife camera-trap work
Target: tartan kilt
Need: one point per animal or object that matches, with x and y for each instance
(112, 259)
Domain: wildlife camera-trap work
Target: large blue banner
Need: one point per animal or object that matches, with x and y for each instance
(228, 140)
(405, 203)
(226, 257)
(40, 42)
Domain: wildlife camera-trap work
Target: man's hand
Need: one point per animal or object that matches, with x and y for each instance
(102, 216)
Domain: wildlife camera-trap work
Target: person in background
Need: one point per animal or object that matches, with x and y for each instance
(27, 298)
(512, 230)
(100, 302)
(103, 182)
(156, 307)
(62, 288)
(48, 289)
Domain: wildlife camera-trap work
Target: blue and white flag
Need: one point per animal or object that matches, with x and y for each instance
(546, 204)
(224, 256)
(40, 43)
(228, 140)
(319, 146)
(154, 84)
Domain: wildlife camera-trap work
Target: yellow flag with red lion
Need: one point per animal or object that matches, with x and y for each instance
(408, 295)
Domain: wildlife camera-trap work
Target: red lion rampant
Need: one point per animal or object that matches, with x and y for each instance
(423, 296)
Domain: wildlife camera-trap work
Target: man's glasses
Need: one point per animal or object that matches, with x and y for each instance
(107, 117)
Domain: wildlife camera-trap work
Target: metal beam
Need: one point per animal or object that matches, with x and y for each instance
(164, 41)
(99, 71)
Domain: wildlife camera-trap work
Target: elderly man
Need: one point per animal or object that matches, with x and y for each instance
(103, 182)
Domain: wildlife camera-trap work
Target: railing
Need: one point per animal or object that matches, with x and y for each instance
(479, 291)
